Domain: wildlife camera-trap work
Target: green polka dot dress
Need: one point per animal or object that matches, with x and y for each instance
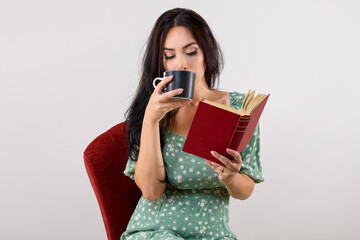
(195, 204)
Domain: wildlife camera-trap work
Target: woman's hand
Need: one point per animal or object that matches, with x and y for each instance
(230, 169)
(239, 186)
(159, 103)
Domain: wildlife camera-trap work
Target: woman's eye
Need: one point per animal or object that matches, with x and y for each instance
(193, 52)
(190, 53)
(169, 57)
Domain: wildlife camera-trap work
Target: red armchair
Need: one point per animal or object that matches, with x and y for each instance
(105, 160)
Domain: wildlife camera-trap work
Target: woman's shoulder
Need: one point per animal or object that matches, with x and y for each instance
(236, 98)
(232, 98)
(237, 95)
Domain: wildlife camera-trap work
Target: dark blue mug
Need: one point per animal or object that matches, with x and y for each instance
(182, 79)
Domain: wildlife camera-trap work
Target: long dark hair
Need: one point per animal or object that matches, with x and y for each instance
(152, 66)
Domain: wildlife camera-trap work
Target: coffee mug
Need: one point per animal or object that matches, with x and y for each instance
(182, 79)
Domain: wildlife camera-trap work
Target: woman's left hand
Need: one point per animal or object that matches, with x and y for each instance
(230, 168)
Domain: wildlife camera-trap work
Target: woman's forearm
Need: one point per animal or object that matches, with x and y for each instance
(149, 170)
(240, 186)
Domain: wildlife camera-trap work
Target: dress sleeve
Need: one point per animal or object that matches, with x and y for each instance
(251, 165)
(130, 168)
(251, 153)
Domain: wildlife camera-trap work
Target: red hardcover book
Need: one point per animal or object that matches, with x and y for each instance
(217, 127)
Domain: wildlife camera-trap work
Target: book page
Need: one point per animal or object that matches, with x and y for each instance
(222, 106)
(251, 102)
(256, 102)
(242, 110)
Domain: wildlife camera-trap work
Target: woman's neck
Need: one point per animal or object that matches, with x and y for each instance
(201, 92)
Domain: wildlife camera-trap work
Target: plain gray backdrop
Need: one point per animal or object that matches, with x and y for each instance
(69, 69)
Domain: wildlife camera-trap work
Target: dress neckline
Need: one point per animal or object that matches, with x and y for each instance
(182, 137)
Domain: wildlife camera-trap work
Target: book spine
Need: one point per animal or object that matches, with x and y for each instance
(238, 134)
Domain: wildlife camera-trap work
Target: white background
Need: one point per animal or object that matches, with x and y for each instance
(69, 69)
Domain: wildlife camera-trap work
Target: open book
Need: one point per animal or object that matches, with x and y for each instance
(216, 126)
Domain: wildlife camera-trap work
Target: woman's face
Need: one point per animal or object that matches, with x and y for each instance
(181, 52)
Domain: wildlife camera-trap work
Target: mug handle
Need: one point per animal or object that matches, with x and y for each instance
(157, 79)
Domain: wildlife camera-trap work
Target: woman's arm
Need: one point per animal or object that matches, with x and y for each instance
(149, 169)
(239, 186)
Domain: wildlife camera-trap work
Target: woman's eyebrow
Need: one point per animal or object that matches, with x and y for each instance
(187, 45)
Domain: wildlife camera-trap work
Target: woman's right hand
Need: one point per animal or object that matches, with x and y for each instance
(159, 103)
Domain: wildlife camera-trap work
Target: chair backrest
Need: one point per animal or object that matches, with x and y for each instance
(105, 160)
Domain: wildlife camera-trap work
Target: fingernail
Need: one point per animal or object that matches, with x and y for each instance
(180, 90)
(212, 153)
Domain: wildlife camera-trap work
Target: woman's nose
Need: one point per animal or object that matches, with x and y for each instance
(182, 63)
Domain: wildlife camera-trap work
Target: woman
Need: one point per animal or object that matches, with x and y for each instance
(184, 196)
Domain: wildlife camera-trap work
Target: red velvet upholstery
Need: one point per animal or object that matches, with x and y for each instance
(105, 160)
